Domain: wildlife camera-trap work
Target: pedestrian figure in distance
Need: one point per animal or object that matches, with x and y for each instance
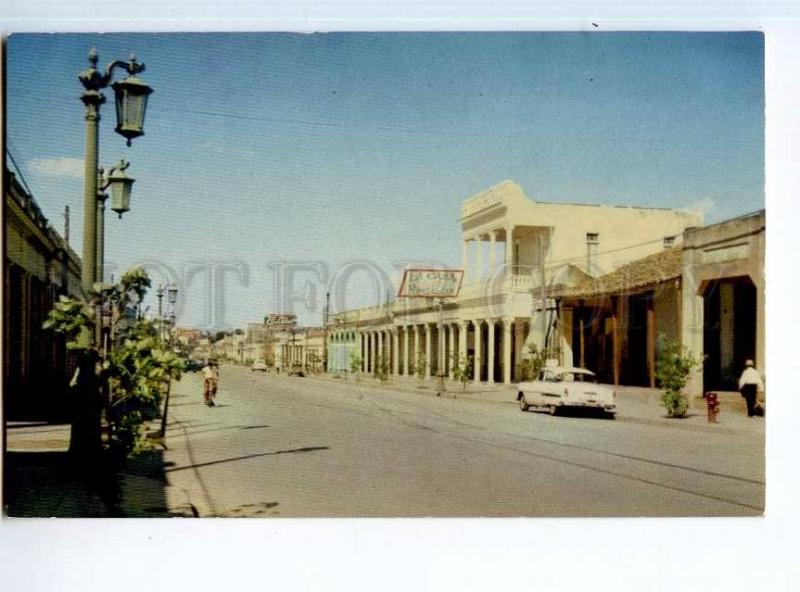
(750, 384)
(210, 382)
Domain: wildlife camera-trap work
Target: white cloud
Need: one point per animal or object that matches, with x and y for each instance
(702, 206)
(58, 167)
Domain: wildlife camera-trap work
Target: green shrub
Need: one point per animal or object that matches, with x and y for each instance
(422, 362)
(675, 364)
(462, 371)
(136, 365)
(382, 368)
(355, 364)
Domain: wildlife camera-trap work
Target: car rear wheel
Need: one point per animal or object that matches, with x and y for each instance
(553, 410)
(522, 404)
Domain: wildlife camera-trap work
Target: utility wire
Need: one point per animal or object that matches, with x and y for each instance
(19, 172)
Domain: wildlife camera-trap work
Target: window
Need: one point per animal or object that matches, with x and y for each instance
(592, 238)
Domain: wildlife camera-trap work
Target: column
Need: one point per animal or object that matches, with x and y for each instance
(374, 354)
(651, 340)
(406, 348)
(463, 327)
(452, 343)
(381, 351)
(509, 250)
(477, 369)
(416, 348)
(490, 353)
(368, 353)
(506, 351)
(441, 352)
(427, 350)
(726, 331)
(465, 259)
(396, 351)
(364, 351)
(492, 254)
(478, 260)
(616, 307)
(565, 331)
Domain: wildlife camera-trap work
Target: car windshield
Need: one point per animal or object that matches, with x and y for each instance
(576, 377)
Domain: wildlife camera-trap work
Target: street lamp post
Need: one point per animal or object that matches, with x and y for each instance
(131, 96)
(160, 296)
(120, 185)
(172, 299)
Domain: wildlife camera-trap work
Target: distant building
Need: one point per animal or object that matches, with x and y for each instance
(298, 348)
(39, 266)
(514, 250)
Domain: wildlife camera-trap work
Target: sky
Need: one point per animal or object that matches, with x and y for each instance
(275, 164)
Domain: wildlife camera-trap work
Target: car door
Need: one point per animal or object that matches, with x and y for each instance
(551, 388)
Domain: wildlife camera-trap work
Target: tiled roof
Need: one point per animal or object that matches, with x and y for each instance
(639, 274)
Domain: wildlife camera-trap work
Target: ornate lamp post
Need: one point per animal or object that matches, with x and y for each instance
(131, 96)
(120, 185)
(160, 296)
(172, 298)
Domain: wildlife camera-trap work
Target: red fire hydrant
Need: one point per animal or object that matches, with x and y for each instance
(712, 405)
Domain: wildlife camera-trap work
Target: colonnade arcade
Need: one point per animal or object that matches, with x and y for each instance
(492, 347)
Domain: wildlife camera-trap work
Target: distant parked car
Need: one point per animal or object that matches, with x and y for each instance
(193, 365)
(297, 370)
(258, 367)
(560, 388)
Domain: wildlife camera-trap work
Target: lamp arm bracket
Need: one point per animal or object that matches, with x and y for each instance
(93, 80)
(132, 67)
(106, 180)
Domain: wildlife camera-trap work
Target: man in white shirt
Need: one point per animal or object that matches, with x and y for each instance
(210, 382)
(750, 383)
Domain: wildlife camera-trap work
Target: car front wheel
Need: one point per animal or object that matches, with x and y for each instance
(522, 404)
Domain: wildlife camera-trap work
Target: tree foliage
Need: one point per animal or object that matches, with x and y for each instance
(356, 363)
(382, 368)
(135, 363)
(462, 371)
(674, 366)
(421, 366)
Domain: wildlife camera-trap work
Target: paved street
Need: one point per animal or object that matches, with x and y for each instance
(283, 446)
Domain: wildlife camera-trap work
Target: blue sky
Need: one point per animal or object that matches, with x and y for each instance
(332, 148)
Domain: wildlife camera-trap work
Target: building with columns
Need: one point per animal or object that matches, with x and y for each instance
(300, 348)
(515, 251)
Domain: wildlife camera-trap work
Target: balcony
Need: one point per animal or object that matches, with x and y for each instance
(499, 285)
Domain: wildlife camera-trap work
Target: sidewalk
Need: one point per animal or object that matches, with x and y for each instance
(634, 404)
(41, 480)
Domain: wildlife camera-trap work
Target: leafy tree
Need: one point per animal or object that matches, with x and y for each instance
(462, 371)
(125, 370)
(382, 368)
(421, 365)
(314, 361)
(355, 364)
(533, 364)
(675, 364)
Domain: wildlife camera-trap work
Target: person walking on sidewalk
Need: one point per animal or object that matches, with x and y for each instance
(750, 384)
(210, 382)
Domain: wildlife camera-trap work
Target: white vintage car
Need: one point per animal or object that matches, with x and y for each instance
(562, 387)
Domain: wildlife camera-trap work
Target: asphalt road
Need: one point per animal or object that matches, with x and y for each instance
(303, 447)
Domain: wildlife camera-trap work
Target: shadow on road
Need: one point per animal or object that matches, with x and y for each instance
(247, 456)
(52, 484)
